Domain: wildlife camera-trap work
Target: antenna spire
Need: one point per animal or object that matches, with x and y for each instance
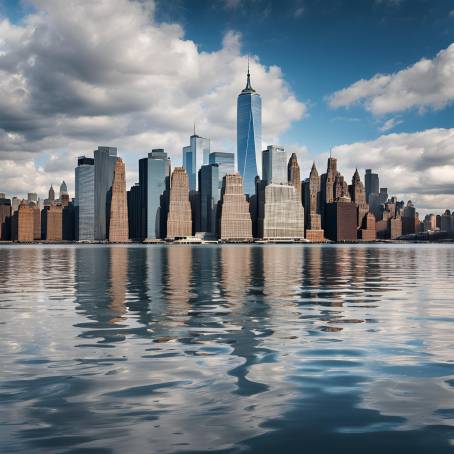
(194, 127)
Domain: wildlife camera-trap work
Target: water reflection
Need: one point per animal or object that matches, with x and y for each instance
(177, 349)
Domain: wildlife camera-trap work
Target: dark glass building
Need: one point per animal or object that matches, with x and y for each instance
(209, 197)
(372, 183)
(340, 220)
(5, 219)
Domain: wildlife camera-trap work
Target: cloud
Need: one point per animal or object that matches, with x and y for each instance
(426, 84)
(389, 124)
(414, 166)
(75, 75)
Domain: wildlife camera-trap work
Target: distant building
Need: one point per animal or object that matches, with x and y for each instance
(312, 200)
(154, 181)
(358, 197)
(430, 223)
(15, 202)
(281, 215)
(274, 162)
(367, 231)
(209, 197)
(446, 222)
(327, 186)
(235, 218)
(225, 161)
(52, 223)
(249, 135)
(341, 217)
(32, 197)
(5, 218)
(409, 219)
(84, 202)
(133, 197)
(105, 161)
(179, 219)
(23, 223)
(36, 220)
(395, 228)
(294, 175)
(372, 184)
(118, 219)
(194, 157)
(194, 200)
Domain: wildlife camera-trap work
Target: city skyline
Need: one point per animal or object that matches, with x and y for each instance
(305, 109)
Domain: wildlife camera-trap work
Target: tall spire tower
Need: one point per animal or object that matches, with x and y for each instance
(249, 135)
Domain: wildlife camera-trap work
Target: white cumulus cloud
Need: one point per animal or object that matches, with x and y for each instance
(426, 84)
(78, 74)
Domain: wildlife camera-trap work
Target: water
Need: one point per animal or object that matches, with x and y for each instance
(233, 349)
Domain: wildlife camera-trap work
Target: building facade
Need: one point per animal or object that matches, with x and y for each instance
(294, 175)
(225, 161)
(5, 219)
(209, 197)
(249, 136)
(274, 165)
(179, 219)
(372, 184)
(341, 217)
(118, 220)
(194, 157)
(84, 202)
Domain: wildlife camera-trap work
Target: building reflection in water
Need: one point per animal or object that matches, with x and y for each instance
(118, 279)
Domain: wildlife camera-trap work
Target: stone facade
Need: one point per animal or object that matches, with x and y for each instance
(23, 223)
(36, 221)
(53, 223)
(179, 219)
(358, 196)
(235, 218)
(312, 215)
(340, 224)
(118, 219)
(294, 175)
(368, 232)
(281, 215)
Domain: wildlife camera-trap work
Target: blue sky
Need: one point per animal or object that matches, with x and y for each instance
(371, 79)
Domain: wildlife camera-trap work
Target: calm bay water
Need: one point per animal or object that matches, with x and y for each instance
(180, 349)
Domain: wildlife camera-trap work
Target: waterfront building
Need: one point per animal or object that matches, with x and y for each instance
(179, 219)
(249, 135)
(372, 184)
(154, 182)
(274, 165)
(430, 223)
(367, 231)
(52, 222)
(294, 175)
(105, 161)
(194, 200)
(23, 223)
(225, 161)
(194, 157)
(37, 234)
(395, 228)
(69, 221)
(5, 218)
(281, 214)
(133, 197)
(358, 197)
(409, 219)
(118, 219)
(446, 222)
(340, 222)
(235, 218)
(209, 197)
(84, 202)
(312, 200)
(327, 182)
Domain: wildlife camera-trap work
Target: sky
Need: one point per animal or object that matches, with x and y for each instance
(370, 80)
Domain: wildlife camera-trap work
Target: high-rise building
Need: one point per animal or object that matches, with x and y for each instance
(32, 197)
(372, 183)
(409, 219)
(23, 223)
(430, 222)
(118, 219)
(281, 214)
(2, 195)
(133, 197)
(312, 201)
(225, 161)
(105, 161)
(154, 181)
(64, 196)
(5, 218)
(15, 202)
(85, 199)
(52, 222)
(195, 156)
(327, 189)
(63, 188)
(235, 218)
(367, 231)
(294, 175)
(340, 224)
(446, 222)
(179, 219)
(249, 135)
(209, 197)
(37, 234)
(274, 165)
(358, 197)
(51, 194)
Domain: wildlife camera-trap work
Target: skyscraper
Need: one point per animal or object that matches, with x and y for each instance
(179, 219)
(105, 160)
(154, 181)
(294, 175)
(209, 197)
(327, 186)
(274, 160)
(249, 135)
(133, 197)
(195, 156)
(340, 223)
(372, 183)
(225, 161)
(5, 218)
(235, 219)
(118, 219)
(358, 197)
(52, 223)
(85, 199)
(23, 223)
(312, 201)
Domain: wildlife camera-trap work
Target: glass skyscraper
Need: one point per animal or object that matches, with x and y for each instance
(105, 160)
(85, 199)
(210, 194)
(195, 156)
(249, 135)
(275, 165)
(154, 181)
